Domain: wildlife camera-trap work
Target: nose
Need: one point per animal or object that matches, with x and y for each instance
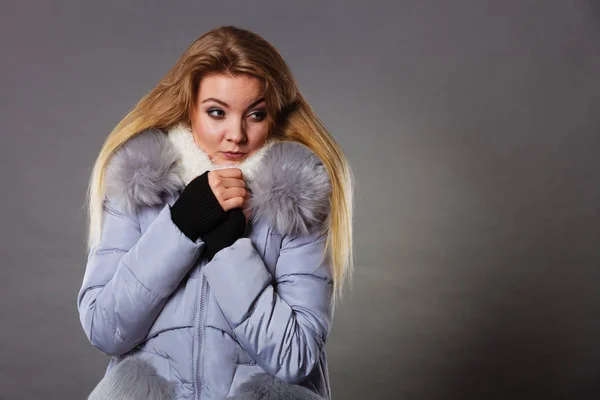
(237, 132)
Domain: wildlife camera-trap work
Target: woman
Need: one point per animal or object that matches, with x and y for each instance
(220, 233)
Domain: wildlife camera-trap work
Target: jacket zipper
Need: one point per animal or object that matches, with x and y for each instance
(200, 348)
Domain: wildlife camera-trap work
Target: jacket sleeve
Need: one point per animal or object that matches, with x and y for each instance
(282, 321)
(129, 277)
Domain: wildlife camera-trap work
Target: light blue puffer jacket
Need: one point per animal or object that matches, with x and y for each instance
(201, 330)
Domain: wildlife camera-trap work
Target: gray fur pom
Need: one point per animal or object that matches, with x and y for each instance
(291, 189)
(142, 170)
(132, 379)
(266, 387)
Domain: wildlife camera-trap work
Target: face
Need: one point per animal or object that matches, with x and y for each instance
(229, 121)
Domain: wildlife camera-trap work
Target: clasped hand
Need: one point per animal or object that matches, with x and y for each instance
(229, 187)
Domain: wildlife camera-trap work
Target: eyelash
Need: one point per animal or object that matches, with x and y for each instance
(259, 113)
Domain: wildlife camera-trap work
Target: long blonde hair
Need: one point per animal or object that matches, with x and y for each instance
(230, 50)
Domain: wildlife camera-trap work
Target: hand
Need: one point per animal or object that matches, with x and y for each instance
(247, 214)
(225, 234)
(229, 187)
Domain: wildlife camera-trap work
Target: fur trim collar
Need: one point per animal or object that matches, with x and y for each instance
(195, 162)
(289, 184)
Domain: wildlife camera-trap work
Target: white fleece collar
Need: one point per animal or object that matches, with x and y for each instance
(194, 161)
(289, 184)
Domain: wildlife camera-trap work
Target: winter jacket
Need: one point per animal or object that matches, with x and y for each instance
(250, 323)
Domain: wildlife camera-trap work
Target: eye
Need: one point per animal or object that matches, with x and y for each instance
(258, 115)
(216, 113)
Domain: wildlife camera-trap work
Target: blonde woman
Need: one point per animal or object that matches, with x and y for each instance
(219, 234)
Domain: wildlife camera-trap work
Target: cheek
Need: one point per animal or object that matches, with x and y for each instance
(207, 132)
(258, 134)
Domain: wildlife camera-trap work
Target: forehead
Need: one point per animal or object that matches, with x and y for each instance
(233, 89)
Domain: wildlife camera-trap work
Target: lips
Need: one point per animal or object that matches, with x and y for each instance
(233, 155)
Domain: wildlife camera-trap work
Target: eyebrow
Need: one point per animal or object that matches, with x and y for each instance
(258, 101)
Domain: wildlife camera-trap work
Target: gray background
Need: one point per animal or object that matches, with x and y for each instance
(473, 128)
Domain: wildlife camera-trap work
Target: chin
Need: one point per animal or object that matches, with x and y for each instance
(228, 163)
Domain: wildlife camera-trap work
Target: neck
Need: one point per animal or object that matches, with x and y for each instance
(194, 161)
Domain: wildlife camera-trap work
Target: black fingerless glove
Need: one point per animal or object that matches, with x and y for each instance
(225, 234)
(197, 210)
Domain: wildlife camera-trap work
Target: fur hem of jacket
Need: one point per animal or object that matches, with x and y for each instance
(135, 379)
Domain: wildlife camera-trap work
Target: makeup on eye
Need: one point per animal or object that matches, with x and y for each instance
(211, 112)
(260, 114)
(217, 113)
(251, 106)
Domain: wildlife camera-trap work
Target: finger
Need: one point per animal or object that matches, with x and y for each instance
(233, 182)
(233, 192)
(247, 215)
(229, 173)
(232, 203)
